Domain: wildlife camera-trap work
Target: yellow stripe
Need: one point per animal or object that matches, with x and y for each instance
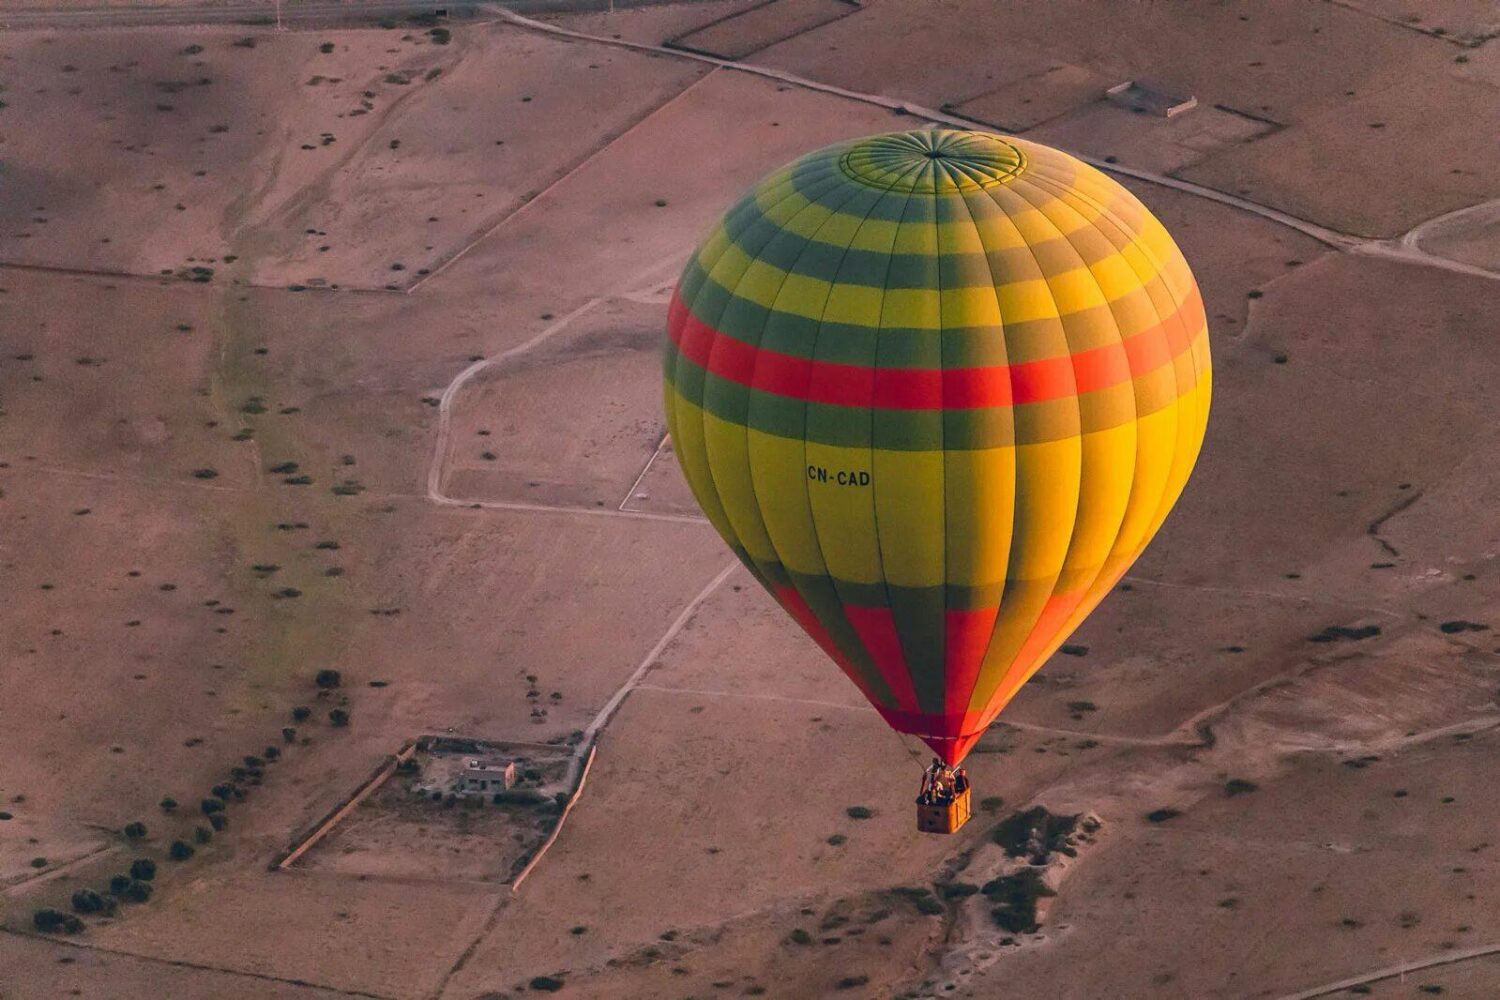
(979, 492)
(844, 515)
(1020, 301)
(779, 475)
(685, 424)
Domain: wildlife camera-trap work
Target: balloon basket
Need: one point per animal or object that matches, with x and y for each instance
(944, 817)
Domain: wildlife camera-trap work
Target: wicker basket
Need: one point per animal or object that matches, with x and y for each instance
(946, 818)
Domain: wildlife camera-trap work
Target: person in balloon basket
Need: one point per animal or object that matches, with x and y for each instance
(941, 784)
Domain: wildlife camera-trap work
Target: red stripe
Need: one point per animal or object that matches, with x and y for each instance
(876, 628)
(966, 636)
(841, 384)
(950, 736)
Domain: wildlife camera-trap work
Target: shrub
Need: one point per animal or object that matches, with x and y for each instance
(338, 717)
(135, 831)
(834, 840)
(799, 936)
(921, 897)
(852, 982)
(168, 804)
(87, 901)
(218, 821)
(272, 753)
(138, 891)
(546, 984)
(143, 869)
(957, 890)
(327, 679)
(288, 734)
(56, 922)
(326, 48)
(202, 834)
(992, 803)
(1016, 896)
(1333, 633)
(212, 807)
(1035, 833)
(859, 812)
(180, 850)
(223, 790)
(1239, 786)
(300, 714)
(1162, 815)
(118, 884)
(253, 761)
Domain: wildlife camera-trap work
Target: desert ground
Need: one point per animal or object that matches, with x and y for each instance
(335, 348)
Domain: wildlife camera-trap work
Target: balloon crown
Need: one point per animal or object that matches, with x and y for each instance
(933, 161)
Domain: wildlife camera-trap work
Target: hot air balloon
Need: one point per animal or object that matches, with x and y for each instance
(937, 389)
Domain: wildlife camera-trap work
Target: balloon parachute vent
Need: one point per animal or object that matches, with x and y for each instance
(933, 161)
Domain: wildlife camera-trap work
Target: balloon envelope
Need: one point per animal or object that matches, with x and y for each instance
(937, 389)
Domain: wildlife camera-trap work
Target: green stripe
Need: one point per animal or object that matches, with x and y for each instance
(878, 595)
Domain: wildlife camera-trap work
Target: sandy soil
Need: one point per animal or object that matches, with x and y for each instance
(263, 441)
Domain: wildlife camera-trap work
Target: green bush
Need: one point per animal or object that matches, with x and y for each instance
(56, 922)
(1016, 897)
(87, 901)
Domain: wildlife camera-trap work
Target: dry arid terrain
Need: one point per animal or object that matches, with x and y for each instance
(335, 348)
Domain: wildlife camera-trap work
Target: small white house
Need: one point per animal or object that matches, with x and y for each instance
(485, 779)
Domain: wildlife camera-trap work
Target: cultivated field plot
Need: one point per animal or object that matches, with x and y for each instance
(661, 487)
(1163, 145)
(1047, 91)
(739, 34)
(1462, 22)
(421, 823)
(573, 421)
